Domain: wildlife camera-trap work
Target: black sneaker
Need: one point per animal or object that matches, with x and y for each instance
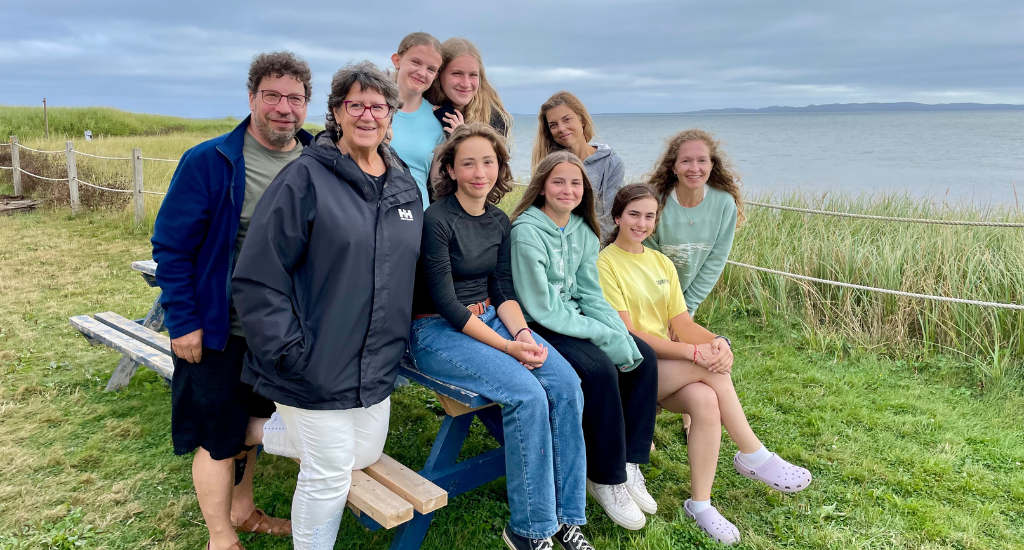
(515, 542)
(571, 538)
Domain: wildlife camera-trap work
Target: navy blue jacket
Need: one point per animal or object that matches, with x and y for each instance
(194, 236)
(324, 282)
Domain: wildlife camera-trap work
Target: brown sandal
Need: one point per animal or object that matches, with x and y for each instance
(260, 522)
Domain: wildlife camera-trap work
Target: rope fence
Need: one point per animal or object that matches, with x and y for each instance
(83, 182)
(39, 151)
(101, 157)
(153, 193)
(1019, 307)
(23, 171)
(158, 160)
(882, 218)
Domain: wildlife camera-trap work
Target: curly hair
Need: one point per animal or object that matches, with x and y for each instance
(724, 176)
(278, 64)
(369, 77)
(532, 196)
(444, 185)
(544, 143)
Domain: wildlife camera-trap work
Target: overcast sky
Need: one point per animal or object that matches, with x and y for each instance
(190, 58)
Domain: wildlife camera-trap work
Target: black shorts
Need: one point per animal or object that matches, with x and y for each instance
(210, 405)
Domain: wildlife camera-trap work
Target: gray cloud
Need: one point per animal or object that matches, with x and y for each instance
(189, 58)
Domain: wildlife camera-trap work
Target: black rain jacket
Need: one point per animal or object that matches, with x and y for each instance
(324, 281)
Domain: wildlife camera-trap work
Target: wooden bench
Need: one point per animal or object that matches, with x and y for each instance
(384, 495)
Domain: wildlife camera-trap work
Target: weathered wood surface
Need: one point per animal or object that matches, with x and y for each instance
(14, 204)
(463, 396)
(424, 496)
(15, 165)
(147, 336)
(368, 496)
(137, 197)
(148, 270)
(72, 177)
(454, 408)
(132, 348)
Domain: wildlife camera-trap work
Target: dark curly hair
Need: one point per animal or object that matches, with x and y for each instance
(278, 64)
(445, 185)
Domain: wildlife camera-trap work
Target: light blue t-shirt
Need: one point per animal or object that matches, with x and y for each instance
(415, 135)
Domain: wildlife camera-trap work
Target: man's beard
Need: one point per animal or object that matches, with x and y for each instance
(274, 137)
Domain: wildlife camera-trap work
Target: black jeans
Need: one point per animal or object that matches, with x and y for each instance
(619, 408)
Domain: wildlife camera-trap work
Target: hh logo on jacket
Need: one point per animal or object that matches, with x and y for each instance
(405, 214)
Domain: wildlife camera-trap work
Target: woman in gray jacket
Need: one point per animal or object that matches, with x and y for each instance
(565, 124)
(324, 287)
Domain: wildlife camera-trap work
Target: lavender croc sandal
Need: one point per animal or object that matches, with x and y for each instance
(776, 473)
(712, 523)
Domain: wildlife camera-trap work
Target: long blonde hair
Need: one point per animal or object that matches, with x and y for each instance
(486, 103)
(544, 142)
(444, 184)
(724, 176)
(532, 196)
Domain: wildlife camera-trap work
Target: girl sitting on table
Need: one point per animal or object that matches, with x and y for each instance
(694, 372)
(554, 267)
(469, 331)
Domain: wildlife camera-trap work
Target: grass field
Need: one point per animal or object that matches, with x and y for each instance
(907, 413)
(907, 451)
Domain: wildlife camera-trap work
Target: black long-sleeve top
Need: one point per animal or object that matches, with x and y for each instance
(464, 259)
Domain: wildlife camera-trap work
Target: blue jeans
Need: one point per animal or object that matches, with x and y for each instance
(542, 415)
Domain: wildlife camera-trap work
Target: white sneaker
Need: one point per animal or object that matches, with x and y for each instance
(637, 487)
(618, 505)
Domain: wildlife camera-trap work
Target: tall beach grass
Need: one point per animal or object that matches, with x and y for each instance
(977, 263)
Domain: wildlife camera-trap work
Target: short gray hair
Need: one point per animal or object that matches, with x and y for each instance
(369, 77)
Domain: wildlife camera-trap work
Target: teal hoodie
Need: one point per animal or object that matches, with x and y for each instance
(555, 277)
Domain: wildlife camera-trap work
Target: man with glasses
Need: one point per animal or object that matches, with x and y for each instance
(196, 241)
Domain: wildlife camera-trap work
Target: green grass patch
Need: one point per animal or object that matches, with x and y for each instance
(907, 449)
(72, 122)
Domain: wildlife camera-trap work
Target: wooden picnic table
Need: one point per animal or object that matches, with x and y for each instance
(385, 495)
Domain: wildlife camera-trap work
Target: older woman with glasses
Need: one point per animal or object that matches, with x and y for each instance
(324, 287)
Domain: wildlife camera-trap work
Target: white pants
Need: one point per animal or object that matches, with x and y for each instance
(329, 445)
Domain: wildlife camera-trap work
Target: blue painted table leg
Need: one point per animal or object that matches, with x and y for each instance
(448, 443)
(410, 535)
(491, 419)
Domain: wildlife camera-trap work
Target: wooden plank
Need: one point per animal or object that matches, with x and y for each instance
(375, 500)
(454, 408)
(424, 496)
(128, 327)
(147, 267)
(466, 397)
(139, 352)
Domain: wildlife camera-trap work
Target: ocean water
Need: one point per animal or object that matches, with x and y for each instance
(956, 156)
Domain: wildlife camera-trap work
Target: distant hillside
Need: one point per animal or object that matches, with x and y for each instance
(866, 107)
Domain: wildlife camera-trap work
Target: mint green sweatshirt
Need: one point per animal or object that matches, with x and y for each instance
(700, 249)
(556, 282)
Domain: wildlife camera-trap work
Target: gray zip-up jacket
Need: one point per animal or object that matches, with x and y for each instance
(607, 175)
(324, 282)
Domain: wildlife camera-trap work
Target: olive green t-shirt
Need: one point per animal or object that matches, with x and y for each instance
(261, 167)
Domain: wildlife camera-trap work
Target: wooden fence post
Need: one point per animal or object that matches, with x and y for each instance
(15, 165)
(140, 203)
(72, 177)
